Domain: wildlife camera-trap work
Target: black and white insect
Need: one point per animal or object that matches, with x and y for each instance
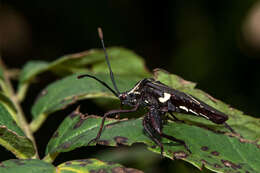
(159, 99)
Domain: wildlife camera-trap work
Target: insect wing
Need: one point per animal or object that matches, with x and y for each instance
(185, 103)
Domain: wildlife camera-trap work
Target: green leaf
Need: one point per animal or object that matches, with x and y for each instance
(28, 73)
(26, 166)
(78, 62)
(11, 136)
(70, 89)
(93, 165)
(77, 166)
(31, 69)
(212, 145)
(215, 151)
(8, 104)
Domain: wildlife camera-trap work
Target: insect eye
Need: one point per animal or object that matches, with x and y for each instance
(123, 96)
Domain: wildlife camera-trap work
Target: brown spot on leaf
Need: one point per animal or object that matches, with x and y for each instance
(185, 82)
(98, 171)
(118, 170)
(2, 165)
(82, 164)
(44, 92)
(155, 72)
(242, 140)
(79, 123)
(125, 170)
(103, 142)
(79, 55)
(73, 115)
(204, 162)
(153, 146)
(74, 98)
(101, 171)
(217, 165)
(87, 161)
(211, 98)
(230, 164)
(132, 170)
(110, 163)
(68, 163)
(120, 139)
(204, 148)
(55, 135)
(66, 145)
(179, 155)
(18, 162)
(215, 153)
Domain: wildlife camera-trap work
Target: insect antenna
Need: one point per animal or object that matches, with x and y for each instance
(116, 93)
(100, 34)
(100, 81)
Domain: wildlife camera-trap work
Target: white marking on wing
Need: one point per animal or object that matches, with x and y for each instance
(193, 112)
(194, 99)
(134, 89)
(166, 97)
(184, 108)
(204, 116)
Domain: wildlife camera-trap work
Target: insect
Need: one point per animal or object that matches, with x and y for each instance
(159, 99)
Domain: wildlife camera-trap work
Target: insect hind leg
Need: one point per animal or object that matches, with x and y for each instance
(176, 140)
(154, 121)
(150, 131)
(229, 128)
(174, 118)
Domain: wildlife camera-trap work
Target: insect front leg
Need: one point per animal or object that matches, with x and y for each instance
(112, 112)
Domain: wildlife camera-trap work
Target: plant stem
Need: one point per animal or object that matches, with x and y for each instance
(50, 157)
(22, 122)
(37, 122)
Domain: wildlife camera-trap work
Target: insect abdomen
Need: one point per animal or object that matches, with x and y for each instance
(194, 106)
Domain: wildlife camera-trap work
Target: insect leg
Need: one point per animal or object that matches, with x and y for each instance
(104, 118)
(118, 115)
(169, 108)
(176, 140)
(149, 130)
(154, 115)
(174, 118)
(229, 128)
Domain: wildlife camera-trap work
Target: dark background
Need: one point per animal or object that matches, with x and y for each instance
(213, 43)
